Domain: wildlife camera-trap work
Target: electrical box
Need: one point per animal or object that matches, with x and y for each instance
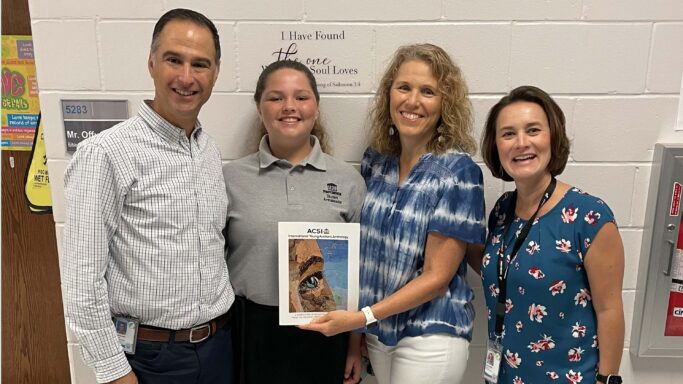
(658, 314)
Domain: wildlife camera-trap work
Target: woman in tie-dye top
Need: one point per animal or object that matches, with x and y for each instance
(562, 292)
(425, 204)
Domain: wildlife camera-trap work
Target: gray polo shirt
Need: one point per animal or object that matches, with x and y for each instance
(264, 190)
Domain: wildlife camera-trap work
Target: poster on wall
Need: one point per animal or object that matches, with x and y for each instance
(20, 106)
(37, 179)
(317, 269)
(338, 56)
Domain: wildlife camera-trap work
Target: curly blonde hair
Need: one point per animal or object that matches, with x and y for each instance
(456, 110)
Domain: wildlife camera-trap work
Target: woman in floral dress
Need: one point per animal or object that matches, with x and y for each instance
(556, 282)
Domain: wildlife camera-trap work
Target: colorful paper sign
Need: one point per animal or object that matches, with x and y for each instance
(20, 106)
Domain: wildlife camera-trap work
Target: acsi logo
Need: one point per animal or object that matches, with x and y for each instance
(678, 312)
(319, 231)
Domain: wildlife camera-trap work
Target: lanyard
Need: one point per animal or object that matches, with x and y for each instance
(503, 272)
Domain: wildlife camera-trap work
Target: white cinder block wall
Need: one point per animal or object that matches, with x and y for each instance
(613, 65)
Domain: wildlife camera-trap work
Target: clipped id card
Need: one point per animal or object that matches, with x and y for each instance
(494, 354)
(127, 331)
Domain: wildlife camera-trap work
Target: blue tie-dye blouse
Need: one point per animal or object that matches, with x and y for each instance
(444, 194)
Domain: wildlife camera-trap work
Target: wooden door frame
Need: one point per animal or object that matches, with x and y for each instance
(34, 345)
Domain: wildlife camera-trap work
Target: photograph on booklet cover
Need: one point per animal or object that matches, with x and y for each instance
(317, 269)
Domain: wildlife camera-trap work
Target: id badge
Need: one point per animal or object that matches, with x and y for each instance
(494, 354)
(127, 331)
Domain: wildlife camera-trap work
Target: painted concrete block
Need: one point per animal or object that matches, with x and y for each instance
(632, 239)
(347, 122)
(580, 58)
(512, 10)
(231, 120)
(244, 10)
(46, 9)
(66, 55)
(384, 10)
(482, 51)
(80, 373)
(56, 169)
(640, 195)
(125, 50)
(666, 58)
(620, 128)
(632, 10)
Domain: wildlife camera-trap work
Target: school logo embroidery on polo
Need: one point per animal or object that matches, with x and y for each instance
(331, 194)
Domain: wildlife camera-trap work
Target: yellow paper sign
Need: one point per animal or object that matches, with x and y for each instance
(37, 186)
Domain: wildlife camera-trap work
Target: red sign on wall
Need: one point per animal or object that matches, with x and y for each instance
(676, 199)
(674, 313)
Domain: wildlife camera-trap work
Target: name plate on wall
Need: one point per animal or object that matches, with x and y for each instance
(340, 56)
(86, 118)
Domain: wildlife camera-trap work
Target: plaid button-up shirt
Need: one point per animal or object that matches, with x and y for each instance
(146, 206)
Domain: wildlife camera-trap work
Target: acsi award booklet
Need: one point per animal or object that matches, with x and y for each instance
(317, 269)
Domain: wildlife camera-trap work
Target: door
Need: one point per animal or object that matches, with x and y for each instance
(34, 348)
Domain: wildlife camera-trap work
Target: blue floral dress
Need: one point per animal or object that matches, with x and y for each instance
(550, 327)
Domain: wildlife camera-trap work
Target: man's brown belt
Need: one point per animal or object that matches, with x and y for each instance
(193, 335)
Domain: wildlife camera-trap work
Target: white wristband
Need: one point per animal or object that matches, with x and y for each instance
(369, 316)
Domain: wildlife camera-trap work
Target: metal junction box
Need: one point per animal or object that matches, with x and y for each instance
(658, 314)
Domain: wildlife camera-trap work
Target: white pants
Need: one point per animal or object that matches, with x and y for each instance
(429, 359)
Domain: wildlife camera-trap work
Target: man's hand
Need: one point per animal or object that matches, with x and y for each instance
(129, 378)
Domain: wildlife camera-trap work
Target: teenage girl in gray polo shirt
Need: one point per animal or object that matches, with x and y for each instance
(290, 178)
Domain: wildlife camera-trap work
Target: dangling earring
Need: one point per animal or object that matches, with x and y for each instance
(439, 130)
(391, 130)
